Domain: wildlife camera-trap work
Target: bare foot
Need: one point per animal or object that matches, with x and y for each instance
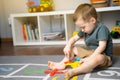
(69, 74)
(55, 65)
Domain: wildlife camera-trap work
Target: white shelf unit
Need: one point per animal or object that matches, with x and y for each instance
(50, 22)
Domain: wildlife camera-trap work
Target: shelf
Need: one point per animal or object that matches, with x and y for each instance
(50, 23)
(116, 40)
(27, 43)
(53, 43)
(104, 9)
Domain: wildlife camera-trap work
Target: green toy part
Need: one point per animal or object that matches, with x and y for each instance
(40, 5)
(115, 33)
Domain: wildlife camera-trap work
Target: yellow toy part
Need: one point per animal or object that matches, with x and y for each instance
(34, 10)
(115, 2)
(47, 5)
(75, 33)
(30, 9)
(116, 29)
(73, 65)
(40, 5)
(55, 78)
(73, 78)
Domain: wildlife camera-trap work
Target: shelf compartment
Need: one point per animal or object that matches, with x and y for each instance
(52, 28)
(23, 31)
(70, 26)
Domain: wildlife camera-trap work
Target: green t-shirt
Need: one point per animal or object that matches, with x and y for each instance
(101, 32)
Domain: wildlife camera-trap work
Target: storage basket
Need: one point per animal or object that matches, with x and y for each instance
(99, 3)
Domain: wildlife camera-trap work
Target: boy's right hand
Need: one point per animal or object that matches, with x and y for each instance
(67, 51)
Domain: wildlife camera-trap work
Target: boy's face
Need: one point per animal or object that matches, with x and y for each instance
(86, 26)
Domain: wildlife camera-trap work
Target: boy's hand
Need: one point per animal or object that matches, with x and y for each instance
(67, 51)
(83, 60)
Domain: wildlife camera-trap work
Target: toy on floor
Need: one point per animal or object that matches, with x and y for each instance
(55, 78)
(53, 72)
(73, 64)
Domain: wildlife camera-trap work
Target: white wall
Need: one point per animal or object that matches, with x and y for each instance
(68, 4)
(2, 20)
(8, 7)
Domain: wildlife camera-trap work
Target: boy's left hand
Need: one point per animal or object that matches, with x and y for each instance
(83, 60)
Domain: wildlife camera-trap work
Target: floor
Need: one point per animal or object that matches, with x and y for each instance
(34, 68)
(7, 49)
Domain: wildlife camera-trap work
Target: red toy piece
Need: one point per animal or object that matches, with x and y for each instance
(53, 72)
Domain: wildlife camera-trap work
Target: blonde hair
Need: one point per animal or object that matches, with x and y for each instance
(85, 11)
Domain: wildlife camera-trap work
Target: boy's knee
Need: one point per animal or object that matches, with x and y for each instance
(100, 58)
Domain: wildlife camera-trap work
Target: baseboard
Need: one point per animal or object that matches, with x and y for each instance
(6, 40)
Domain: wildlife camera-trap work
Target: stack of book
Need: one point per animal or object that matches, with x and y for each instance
(30, 32)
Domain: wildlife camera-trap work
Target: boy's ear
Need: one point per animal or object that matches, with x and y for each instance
(93, 20)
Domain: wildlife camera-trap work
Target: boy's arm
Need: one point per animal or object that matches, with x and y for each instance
(100, 48)
(71, 42)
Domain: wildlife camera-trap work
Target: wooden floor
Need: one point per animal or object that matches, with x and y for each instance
(7, 49)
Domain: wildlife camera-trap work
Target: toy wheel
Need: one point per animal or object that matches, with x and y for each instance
(34, 9)
(30, 9)
(42, 9)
